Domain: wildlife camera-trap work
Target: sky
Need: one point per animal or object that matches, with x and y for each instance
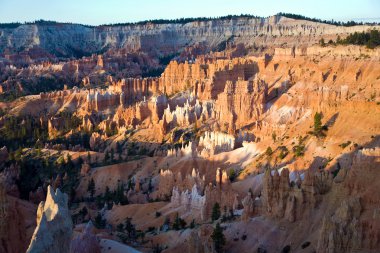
(96, 12)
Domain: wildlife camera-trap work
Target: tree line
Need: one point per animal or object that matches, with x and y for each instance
(13, 25)
(329, 22)
(370, 39)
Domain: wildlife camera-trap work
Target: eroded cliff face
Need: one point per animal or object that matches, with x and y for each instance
(225, 112)
(17, 221)
(68, 39)
(31, 76)
(355, 211)
(239, 94)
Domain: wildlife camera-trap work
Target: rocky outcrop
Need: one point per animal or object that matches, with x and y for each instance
(275, 192)
(241, 103)
(281, 199)
(54, 226)
(346, 218)
(37, 196)
(248, 207)
(170, 183)
(87, 242)
(200, 240)
(212, 143)
(97, 141)
(187, 195)
(8, 179)
(339, 51)
(189, 201)
(358, 213)
(85, 169)
(167, 181)
(3, 154)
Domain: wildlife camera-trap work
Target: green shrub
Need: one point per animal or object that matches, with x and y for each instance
(345, 144)
(283, 152)
(269, 151)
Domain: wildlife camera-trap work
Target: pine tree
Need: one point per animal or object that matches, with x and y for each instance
(318, 128)
(106, 157)
(120, 227)
(274, 137)
(112, 155)
(91, 187)
(88, 157)
(232, 175)
(130, 228)
(69, 163)
(120, 198)
(119, 148)
(176, 222)
(150, 186)
(317, 122)
(269, 151)
(107, 194)
(215, 212)
(192, 224)
(322, 42)
(99, 221)
(338, 40)
(218, 238)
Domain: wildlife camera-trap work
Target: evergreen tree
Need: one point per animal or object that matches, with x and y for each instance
(91, 187)
(142, 235)
(322, 42)
(176, 222)
(130, 228)
(119, 195)
(215, 215)
(107, 194)
(317, 121)
(106, 157)
(192, 224)
(99, 221)
(69, 163)
(88, 157)
(338, 40)
(120, 227)
(119, 148)
(269, 151)
(318, 128)
(157, 249)
(232, 175)
(112, 155)
(179, 223)
(218, 238)
(150, 186)
(274, 137)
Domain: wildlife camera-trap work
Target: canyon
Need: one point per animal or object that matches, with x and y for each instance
(274, 137)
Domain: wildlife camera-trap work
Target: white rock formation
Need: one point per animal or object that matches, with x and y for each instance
(54, 226)
(216, 142)
(189, 201)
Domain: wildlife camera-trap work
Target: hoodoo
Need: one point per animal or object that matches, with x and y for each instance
(202, 135)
